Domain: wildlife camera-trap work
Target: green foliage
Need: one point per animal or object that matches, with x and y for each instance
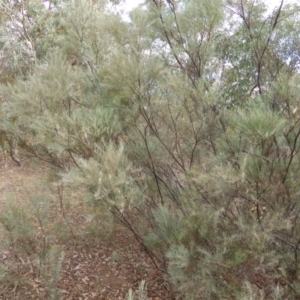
(20, 230)
(51, 274)
(106, 179)
(182, 123)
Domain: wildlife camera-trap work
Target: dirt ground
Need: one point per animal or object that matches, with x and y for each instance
(105, 269)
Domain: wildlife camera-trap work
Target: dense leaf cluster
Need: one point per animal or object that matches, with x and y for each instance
(184, 123)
